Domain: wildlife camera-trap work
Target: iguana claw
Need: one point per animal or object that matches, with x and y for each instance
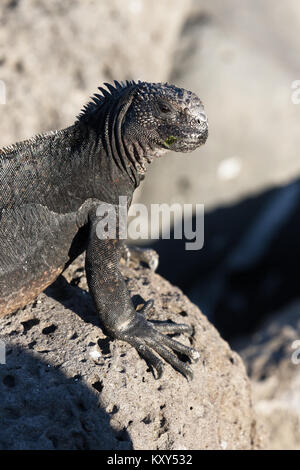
(148, 336)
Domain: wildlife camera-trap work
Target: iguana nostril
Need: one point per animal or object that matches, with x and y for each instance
(202, 118)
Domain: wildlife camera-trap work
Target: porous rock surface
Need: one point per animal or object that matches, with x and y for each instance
(65, 385)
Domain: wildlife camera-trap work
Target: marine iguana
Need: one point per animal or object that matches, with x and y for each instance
(51, 185)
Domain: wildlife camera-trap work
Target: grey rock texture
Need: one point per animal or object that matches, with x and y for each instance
(272, 357)
(54, 55)
(66, 386)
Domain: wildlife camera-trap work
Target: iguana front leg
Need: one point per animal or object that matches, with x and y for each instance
(118, 317)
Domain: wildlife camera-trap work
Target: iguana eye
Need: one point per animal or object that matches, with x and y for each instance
(164, 108)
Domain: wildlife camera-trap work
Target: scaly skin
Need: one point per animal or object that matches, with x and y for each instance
(51, 185)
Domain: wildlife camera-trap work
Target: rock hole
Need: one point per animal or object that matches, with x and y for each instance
(183, 313)
(147, 420)
(163, 422)
(28, 324)
(13, 333)
(49, 329)
(263, 377)
(104, 345)
(114, 410)
(98, 385)
(9, 381)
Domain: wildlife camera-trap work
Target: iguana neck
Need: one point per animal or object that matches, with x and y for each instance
(122, 158)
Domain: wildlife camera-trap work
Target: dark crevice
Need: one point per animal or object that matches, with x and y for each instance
(49, 329)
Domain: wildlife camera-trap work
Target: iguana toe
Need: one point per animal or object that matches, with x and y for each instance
(147, 338)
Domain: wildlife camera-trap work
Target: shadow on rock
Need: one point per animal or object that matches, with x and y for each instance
(42, 408)
(249, 265)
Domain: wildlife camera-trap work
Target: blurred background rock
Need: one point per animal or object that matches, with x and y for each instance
(241, 58)
(54, 54)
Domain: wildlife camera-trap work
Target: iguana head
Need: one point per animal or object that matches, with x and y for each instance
(167, 117)
(144, 120)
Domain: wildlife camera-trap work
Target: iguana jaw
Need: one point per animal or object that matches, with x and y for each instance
(187, 142)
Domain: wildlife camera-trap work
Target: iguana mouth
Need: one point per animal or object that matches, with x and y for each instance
(191, 143)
